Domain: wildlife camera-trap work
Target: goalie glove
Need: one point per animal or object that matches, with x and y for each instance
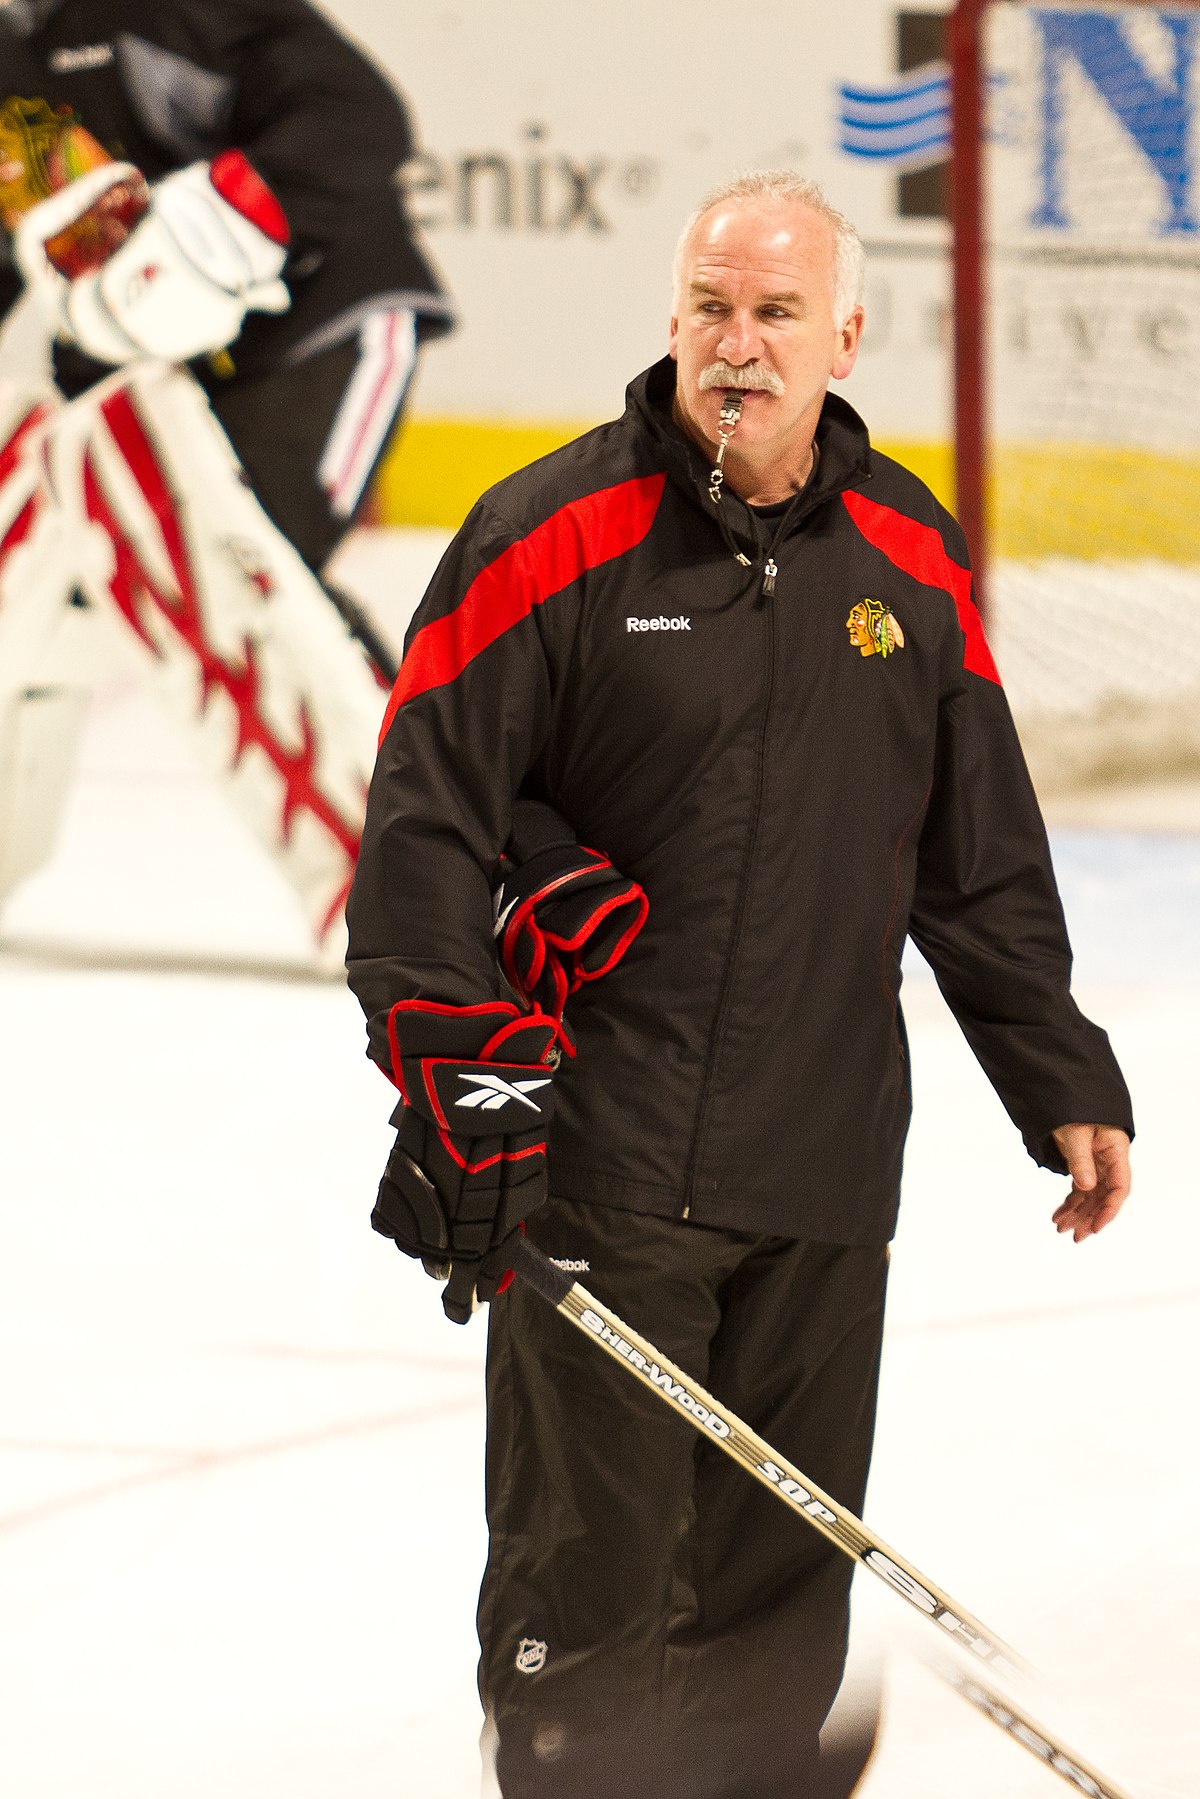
(469, 1163)
(208, 250)
(92, 215)
(564, 914)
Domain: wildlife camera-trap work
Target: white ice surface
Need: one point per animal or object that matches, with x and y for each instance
(240, 1449)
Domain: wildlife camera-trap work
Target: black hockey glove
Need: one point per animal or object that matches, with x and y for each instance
(564, 914)
(469, 1164)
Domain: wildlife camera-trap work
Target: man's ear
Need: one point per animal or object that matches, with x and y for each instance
(849, 340)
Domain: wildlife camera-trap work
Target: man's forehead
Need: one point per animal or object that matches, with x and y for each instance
(779, 238)
(717, 280)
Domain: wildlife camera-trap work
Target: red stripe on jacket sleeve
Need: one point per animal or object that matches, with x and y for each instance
(918, 551)
(578, 537)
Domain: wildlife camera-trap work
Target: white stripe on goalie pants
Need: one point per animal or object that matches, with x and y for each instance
(388, 352)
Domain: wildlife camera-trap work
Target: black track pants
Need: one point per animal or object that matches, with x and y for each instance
(653, 1624)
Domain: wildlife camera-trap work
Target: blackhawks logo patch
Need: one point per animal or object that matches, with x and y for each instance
(874, 631)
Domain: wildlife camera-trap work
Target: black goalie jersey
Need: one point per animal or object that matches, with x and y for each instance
(179, 81)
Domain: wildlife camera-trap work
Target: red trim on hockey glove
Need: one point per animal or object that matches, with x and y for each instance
(504, 1007)
(514, 930)
(918, 550)
(241, 186)
(540, 965)
(503, 1155)
(519, 918)
(444, 1011)
(576, 538)
(523, 1022)
(580, 975)
(562, 992)
(522, 929)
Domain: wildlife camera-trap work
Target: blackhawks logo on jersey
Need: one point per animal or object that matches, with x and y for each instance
(874, 631)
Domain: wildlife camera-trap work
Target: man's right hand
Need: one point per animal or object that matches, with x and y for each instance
(469, 1163)
(1097, 1158)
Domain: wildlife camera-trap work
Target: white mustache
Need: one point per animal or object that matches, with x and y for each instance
(748, 379)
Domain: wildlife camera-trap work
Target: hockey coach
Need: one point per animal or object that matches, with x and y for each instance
(735, 648)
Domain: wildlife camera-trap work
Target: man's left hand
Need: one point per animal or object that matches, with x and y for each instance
(1097, 1157)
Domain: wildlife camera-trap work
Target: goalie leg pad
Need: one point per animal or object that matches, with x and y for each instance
(39, 735)
(43, 666)
(236, 631)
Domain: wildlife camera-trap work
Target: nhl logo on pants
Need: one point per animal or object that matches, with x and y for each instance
(531, 1655)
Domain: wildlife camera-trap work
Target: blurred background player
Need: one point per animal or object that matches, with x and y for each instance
(207, 248)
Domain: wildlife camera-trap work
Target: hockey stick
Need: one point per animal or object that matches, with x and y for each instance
(718, 1425)
(1018, 1724)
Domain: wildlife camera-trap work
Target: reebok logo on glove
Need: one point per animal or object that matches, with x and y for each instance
(469, 1162)
(491, 1092)
(658, 624)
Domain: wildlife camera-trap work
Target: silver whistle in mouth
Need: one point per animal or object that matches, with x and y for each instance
(730, 413)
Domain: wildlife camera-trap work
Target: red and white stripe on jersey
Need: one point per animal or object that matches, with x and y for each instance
(388, 350)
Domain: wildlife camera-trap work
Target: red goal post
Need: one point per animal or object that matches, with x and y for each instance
(1075, 211)
(967, 114)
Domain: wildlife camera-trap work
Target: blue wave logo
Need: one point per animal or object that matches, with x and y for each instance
(906, 124)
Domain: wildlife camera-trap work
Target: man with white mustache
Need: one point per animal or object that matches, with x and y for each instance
(648, 631)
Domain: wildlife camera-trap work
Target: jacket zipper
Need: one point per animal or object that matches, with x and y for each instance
(807, 503)
(794, 514)
(725, 994)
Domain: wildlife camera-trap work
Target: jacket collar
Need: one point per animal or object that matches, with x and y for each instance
(844, 462)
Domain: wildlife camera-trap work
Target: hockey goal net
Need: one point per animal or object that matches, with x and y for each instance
(1076, 213)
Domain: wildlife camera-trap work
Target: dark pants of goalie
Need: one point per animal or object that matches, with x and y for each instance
(279, 423)
(652, 1621)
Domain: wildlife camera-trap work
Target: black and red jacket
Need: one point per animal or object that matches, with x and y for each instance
(793, 808)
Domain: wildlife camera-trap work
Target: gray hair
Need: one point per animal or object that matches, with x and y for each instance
(785, 187)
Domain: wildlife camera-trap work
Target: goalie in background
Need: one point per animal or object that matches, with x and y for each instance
(206, 223)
